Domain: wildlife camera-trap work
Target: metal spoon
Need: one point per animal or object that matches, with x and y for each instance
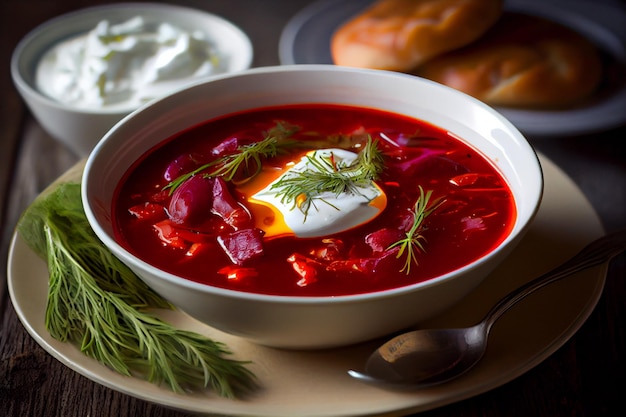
(429, 357)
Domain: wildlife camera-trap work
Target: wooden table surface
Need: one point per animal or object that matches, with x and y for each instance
(586, 377)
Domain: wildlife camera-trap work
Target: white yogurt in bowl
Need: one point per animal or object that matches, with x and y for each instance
(82, 72)
(126, 64)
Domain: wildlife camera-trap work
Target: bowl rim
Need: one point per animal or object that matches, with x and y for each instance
(164, 8)
(515, 233)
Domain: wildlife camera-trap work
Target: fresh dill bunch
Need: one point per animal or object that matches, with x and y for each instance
(413, 242)
(98, 303)
(325, 175)
(248, 159)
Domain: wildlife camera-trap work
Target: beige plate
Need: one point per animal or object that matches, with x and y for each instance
(316, 383)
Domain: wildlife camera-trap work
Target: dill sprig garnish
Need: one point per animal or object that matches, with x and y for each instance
(413, 242)
(370, 161)
(248, 159)
(325, 175)
(99, 304)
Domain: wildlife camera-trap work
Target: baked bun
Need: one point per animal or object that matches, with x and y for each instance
(401, 34)
(523, 61)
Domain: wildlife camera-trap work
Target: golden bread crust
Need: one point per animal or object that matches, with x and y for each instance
(524, 61)
(401, 34)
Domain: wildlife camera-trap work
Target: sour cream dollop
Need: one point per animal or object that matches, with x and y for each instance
(332, 213)
(125, 65)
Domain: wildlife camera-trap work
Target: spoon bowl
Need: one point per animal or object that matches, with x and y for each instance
(425, 357)
(428, 357)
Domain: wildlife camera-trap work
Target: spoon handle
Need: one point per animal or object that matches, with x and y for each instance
(595, 253)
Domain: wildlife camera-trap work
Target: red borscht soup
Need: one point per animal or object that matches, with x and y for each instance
(312, 200)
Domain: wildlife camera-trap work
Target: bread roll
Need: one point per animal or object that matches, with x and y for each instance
(524, 61)
(401, 34)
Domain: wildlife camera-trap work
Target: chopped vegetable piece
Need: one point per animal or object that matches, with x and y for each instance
(306, 269)
(330, 250)
(184, 163)
(195, 249)
(192, 201)
(227, 207)
(367, 266)
(227, 146)
(148, 211)
(169, 234)
(381, 239)
(243, 245)
(238, 273)
(175, 236)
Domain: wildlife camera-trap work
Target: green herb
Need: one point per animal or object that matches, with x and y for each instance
(303, 188)
(248, 159)
(413, 241)
(97, 302)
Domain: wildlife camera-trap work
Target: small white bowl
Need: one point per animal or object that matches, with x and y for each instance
(313, 322)
(80, 128)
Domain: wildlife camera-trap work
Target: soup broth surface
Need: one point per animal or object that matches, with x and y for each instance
(181, 210)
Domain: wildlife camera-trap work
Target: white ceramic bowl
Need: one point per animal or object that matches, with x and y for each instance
(80, 128)
(313, 322)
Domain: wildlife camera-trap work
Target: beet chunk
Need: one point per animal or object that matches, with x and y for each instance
(381, 239)
(243, 245)
(306, 268)
(227, 146)
(227, 207)
(192, 201)
(148, 211)
(233, 144)
(182, 164)
(368, 266)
